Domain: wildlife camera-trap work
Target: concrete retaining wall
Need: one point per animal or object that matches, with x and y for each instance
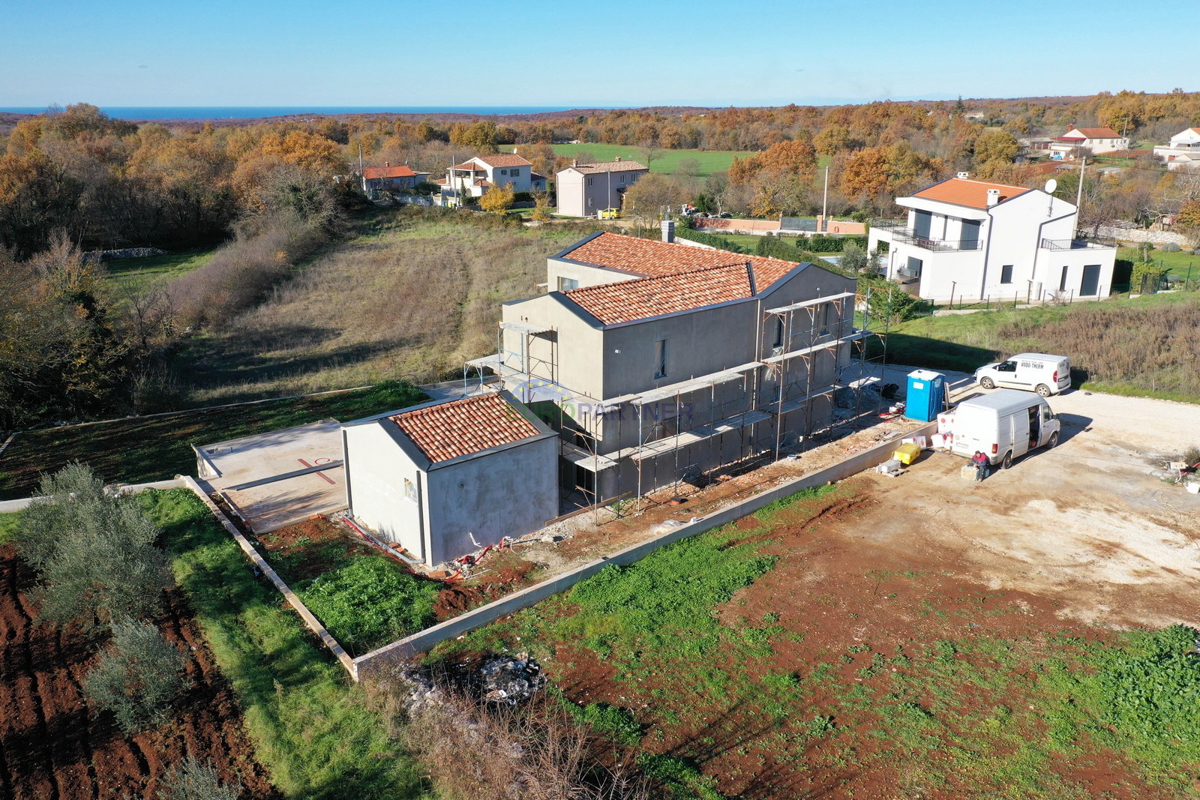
(309, 618)
(382, 660)
(8, 506)
(1141, 235)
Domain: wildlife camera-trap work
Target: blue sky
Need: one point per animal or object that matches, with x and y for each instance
(538, 53)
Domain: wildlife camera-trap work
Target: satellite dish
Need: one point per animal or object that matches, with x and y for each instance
(1051, 185)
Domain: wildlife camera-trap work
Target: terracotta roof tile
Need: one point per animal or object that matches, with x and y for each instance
(469, 165)
(654, 257)
(612, 303)
(1092, 133)
(504, 160)
(402, 171)
(461, 427)
(972, 194)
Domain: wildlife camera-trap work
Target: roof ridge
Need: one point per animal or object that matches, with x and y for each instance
(645, 278)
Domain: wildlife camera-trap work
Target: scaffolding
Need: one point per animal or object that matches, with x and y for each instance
(806, 332)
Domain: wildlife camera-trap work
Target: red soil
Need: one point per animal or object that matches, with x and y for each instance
(52, 745)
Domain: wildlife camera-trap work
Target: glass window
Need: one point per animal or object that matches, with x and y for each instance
(1006, 273)
(660, 358)
(567, 284)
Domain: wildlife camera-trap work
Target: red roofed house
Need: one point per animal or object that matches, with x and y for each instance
(389, 178)
(446, 478)
(658, 361)
(1093, 140)
(974, 240)
(475, 176)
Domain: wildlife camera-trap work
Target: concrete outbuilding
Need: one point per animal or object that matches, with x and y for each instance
(445, 478)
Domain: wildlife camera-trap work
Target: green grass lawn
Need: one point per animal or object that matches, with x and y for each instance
(141, 449)
(665, 161)
(315, 732)
(8, 527)
(1180, 264)
(137, 276)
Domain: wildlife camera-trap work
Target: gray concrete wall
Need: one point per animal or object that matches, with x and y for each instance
(510, 492)
(576, 367)
(584, 274)
(376, 468)
(378, 662)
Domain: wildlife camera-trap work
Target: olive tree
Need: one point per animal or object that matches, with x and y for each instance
(137, 677)
(193, 779)
(94, 551)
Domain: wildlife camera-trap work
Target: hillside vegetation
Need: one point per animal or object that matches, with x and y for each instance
(1146, 346)
(411, 297)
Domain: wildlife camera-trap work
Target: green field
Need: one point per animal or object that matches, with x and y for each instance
(316, 733)
(1100, 339)
(137, 276)
(143, 449)
(1181, 264)
(665, 161)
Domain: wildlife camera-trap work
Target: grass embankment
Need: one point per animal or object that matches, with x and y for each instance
(139, 276)
(142, 449)
(414, 295)
(1143, 347)
(8, 527)
(311, 728)
(704, 668)
(1182, 265)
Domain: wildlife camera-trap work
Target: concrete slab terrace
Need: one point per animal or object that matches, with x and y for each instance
(278, 478)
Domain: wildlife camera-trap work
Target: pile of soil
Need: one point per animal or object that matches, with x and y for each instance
(503, 578)
(52, 745)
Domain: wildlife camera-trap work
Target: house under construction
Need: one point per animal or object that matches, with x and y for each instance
(658, 361)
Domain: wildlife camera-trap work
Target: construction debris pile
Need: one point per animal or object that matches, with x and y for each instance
(505, 679)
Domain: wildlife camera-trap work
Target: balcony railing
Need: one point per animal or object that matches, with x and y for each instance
(909, 236)
(1078, 244)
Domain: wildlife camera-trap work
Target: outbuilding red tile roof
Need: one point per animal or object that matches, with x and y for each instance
(504, 160)
(972, 194)
(402, 171)
(461, 427)
(1092, 133)
(612, 303)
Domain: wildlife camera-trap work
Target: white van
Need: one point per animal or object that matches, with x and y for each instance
(1003, 425)
(1034, 372)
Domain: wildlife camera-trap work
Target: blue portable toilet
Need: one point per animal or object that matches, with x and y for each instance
(926, 395)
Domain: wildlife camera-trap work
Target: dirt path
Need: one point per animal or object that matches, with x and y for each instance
(52, 747)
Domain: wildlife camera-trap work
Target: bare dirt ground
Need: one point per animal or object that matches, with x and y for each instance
(52, 745)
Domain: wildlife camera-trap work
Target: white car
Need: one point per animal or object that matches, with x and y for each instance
(1033, 372)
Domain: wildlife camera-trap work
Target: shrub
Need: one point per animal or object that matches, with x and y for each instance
(833, 244)
(94, 552)
(703, 238)
(773, 247)
(192, 779)
(137, 677)
(371, 602)
(1171, 247)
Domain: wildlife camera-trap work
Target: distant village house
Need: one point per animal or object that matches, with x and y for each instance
(472, 178)
(584, 190)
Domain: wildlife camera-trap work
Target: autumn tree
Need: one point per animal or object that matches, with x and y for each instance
(497, 199)
(654, 195)
(993, 150)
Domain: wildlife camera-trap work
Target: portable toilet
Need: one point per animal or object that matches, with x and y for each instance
(926, 395)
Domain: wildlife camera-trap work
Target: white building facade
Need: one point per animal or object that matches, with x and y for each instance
(1183, 151)
(974, 241)
(584, 190)
(472, 178)
(1091, 140)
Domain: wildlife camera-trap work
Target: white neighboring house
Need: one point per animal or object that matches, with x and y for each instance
(1183, 151)
(974, 240)
(584, 190)
(476, 175)
(1093, 140)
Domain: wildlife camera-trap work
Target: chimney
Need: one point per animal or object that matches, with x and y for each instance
(575, 162)
(1071, 127)
(387, 163)
(962, 176)
(618, 158)
(668, 231)
(993, 197)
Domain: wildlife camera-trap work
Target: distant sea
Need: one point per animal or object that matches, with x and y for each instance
(253, 112)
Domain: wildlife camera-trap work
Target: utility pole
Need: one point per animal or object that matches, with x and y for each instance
(1079, 195)
(825, 204)
(361, 174)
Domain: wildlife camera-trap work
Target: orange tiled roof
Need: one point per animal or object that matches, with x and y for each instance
(402, 171)
(504, 160)
(654, 257)
(1093, 133)
(612, 303)
(461, 427)
(469, 165)
(972, 194)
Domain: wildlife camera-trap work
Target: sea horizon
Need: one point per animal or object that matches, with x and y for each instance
(254, 112)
